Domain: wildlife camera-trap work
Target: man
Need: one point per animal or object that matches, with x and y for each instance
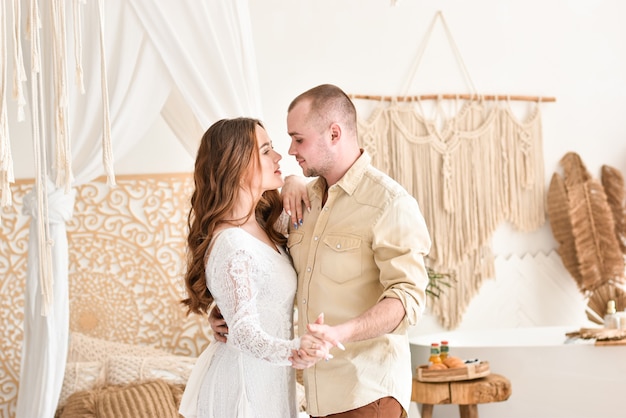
(359, 255)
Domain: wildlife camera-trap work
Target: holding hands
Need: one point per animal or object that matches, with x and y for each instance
(315, 345)
(320, 343)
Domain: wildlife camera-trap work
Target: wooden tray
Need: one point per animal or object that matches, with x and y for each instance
(469, 372)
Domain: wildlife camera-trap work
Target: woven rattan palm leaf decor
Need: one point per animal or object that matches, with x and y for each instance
(558, 213)
(587, 220)
(599, 299)
(599, 256)
(613, 183)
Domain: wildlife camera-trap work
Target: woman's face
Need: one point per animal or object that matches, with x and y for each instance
(271, 176)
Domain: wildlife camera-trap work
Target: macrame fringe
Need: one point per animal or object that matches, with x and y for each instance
(474, 271)
(78, 44)
(63, 161)
(6, 161)
(107, 149)
(62, 166)
(19, 73)
(44, 244)
(483, 168)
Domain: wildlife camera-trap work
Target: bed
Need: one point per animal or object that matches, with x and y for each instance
(126, 260)
(130, 337)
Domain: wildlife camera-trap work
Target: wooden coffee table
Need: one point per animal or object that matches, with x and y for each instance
(467, 394)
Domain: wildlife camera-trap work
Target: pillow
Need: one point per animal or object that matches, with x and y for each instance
(81, 376)
(151, 399)
(172, 369)
(85, 348)
(87, 363)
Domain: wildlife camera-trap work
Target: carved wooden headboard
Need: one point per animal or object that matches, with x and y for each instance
(126, 263)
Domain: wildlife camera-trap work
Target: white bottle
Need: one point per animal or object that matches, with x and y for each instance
(621, 317)
(611, 320)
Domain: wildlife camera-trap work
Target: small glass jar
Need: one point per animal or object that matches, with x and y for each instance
(434, 354)
(611, 320)
(445, 350)
(621, 319)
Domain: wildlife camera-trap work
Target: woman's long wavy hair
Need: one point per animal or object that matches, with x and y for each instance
(227, 158)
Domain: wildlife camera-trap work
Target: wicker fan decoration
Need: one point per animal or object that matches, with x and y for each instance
(599, 298)
(588, 222)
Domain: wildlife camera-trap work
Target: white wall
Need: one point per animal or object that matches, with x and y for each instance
(569, 49)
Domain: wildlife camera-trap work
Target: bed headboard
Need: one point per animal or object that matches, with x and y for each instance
(126, 261)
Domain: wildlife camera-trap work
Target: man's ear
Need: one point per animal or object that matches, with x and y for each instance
(335, 132)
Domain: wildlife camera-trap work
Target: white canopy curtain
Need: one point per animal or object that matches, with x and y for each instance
(191, 60)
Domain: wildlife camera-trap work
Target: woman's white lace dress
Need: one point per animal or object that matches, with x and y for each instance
(254, 286)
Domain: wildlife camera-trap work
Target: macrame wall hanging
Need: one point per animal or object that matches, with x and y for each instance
(48, 38)
(469, 172)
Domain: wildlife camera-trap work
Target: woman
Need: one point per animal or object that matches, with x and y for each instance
(237, 259)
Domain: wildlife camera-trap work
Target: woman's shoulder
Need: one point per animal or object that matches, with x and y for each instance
(230, 236)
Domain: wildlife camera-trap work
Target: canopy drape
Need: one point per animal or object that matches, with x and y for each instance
(210, 58)
(192, 61)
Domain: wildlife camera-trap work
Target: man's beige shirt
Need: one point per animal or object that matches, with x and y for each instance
(366, 243)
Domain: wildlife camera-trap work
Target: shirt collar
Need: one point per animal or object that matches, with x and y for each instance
(351, 179)
(353, 176)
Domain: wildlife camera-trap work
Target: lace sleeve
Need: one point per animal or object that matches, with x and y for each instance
(233, 285)
(282, 223)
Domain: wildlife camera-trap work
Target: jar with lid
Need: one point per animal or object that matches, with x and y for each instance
(444, 350)
(611, 320)
(434, 354)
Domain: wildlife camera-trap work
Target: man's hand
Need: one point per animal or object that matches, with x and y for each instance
(218, 324)
(312, 348)
(295, 198)
(326, 333)
(301, 358)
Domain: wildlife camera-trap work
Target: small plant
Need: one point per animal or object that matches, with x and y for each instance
(437, 281)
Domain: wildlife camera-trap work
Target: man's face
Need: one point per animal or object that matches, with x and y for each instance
(309, 143)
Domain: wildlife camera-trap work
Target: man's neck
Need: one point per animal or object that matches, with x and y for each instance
(342, 168)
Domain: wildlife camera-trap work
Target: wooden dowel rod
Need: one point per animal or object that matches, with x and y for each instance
(453, 96)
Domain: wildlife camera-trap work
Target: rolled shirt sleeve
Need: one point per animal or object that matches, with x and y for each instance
(400, 242)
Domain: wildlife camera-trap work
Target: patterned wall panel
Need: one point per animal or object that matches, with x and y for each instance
(126, 261)
(13, 256)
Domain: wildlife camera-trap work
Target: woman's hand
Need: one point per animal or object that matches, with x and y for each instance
(218, 324)
(295, 198)
(313, 349)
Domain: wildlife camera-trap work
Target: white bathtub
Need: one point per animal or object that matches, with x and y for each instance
(549, 377)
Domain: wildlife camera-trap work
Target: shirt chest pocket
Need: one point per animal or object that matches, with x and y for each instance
(340, 259)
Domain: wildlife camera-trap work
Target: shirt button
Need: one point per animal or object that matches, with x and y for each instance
(338, 245)
(308, 269)
(315, 238)
(326, 208)
(304, 301)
